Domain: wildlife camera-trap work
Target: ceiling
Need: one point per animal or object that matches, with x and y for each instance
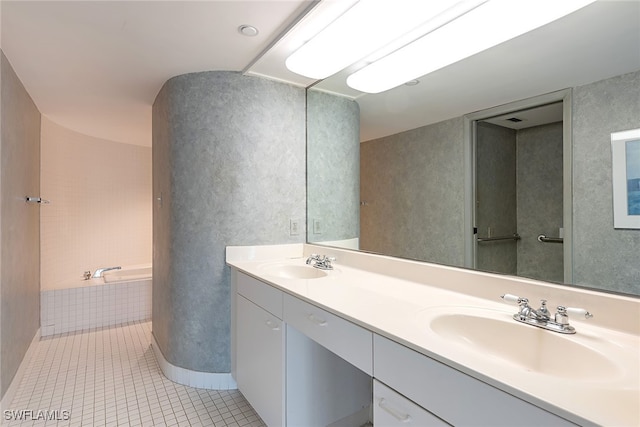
(96, 67)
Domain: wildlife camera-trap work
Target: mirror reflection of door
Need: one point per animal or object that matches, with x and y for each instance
(519, 193)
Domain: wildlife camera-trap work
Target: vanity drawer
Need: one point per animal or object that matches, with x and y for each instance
(260, 293)
(349, 341)
(393, 409)
(450, 394)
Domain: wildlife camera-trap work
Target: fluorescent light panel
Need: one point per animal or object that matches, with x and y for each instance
(486, 26)
(367, 26)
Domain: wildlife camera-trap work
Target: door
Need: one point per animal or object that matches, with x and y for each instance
(519, 204)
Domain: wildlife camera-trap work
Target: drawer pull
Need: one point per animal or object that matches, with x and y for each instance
(316, 320)
(272, 325)
(404, 418)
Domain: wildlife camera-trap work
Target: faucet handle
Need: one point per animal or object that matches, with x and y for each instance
(562, 315)
(514, 298)
(574, 311)
(510, 298)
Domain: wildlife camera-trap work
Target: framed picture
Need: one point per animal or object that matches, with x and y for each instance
(625, 150)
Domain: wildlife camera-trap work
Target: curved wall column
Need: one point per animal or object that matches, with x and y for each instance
(228, 169)
(333, 167)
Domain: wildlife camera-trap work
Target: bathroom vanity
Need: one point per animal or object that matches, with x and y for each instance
(398, 342)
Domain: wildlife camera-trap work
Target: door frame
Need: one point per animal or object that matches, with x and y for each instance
(470, 134)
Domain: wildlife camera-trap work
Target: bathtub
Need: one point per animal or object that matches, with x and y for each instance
(120, 296)
(128, 274)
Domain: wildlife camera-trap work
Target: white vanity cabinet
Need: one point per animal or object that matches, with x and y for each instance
(391, 409)
(260, 348)
(301, 365)
(450, 394)
(302, 373)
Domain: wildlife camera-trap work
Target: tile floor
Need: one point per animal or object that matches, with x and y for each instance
(109, 377)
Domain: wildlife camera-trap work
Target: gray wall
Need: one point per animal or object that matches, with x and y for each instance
(603, 256)
(19, 223)
(496, 198)
(229, 165)
(333, 167)
(413, 187)
(540, 201)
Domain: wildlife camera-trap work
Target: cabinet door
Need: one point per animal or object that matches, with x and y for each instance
(260, 360)
(392, 409)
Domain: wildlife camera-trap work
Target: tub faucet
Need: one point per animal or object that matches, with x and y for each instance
(98, 273)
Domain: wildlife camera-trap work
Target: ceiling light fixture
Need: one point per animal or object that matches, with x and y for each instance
(486, 26)
(368, 26)
(248, 30)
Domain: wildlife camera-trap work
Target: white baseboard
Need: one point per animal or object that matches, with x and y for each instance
(206, 380)
(17, 378)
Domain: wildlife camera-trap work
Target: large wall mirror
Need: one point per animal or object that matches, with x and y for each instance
(514, 141)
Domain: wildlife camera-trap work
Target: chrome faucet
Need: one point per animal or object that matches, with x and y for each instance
(528, 312)
(542, 318)
(98, 273)
(322, 262)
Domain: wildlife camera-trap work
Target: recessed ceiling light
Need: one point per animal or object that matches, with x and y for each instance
(412, 82)
(248, 30)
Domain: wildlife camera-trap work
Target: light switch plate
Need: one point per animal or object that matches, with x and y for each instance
(317, 226)
(294, 227)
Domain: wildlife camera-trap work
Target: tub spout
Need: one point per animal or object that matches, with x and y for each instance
(98, 273)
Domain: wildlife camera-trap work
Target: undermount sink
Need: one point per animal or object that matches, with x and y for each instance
(496, 335)
(293, 271)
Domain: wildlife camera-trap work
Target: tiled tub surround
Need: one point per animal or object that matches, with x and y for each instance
(100, 211)
(94, 304)
(387, 296)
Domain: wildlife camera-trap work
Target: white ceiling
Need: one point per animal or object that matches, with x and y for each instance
(96, 67)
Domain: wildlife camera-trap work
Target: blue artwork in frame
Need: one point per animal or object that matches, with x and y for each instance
(625, 150)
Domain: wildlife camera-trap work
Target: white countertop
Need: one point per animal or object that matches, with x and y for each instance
(402, 309)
